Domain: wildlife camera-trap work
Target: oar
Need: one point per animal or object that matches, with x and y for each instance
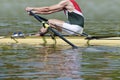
(42, 20)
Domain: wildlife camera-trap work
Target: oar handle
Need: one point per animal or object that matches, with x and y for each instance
(36, 16)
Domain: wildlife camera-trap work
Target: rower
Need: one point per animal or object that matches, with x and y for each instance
(72, 11)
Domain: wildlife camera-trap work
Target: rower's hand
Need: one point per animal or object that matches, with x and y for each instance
(28, 9)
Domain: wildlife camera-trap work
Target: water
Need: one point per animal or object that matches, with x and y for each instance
(48, 63)
(22, 62)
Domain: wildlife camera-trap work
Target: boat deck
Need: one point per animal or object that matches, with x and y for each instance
(79, 41)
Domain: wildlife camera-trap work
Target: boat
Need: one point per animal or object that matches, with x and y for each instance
(76, 40)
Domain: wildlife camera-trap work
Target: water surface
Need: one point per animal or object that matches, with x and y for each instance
(48, 63)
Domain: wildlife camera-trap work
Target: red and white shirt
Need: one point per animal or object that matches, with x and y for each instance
(75, 17)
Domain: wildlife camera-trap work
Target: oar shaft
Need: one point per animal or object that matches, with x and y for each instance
(35, 16)
(58, 34)
(49, 28)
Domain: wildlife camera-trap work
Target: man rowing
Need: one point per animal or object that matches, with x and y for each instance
(72, 11)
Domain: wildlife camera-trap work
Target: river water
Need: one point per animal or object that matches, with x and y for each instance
(23, 62)
(48, 63)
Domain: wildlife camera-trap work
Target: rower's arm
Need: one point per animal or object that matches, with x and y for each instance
(51, 9)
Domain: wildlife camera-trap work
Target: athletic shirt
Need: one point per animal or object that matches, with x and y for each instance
(76, 16)
(76, 6)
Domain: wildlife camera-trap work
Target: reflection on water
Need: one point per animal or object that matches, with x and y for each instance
(39, 63)
(47, 63)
